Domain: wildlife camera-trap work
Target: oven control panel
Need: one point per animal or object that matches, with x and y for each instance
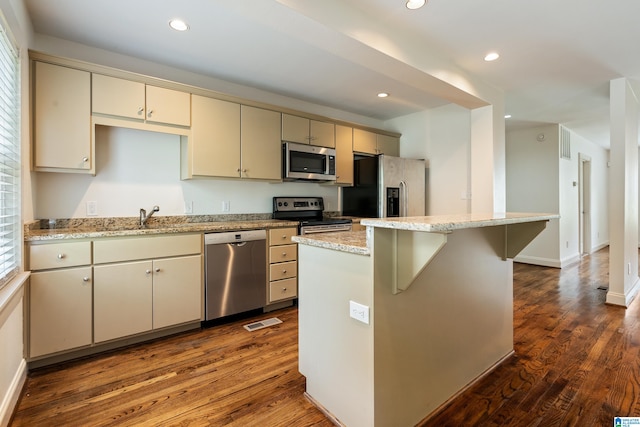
(297, 204)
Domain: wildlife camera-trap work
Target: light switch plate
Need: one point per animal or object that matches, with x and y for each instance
(359, 312)
(92, 208)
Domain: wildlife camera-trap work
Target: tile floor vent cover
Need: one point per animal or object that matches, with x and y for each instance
(262, 324)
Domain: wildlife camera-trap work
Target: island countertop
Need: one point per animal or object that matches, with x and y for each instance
(448, 223)
(357, 242)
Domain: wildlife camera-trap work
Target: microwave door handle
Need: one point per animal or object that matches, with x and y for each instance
(404, 199)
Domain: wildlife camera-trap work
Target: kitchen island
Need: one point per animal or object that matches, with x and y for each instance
(433, 312)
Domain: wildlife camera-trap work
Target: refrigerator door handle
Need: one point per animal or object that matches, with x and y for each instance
(404, 199)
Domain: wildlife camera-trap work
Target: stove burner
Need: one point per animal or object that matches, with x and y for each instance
(309, 212)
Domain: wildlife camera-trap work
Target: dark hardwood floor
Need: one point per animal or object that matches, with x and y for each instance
(577, 363)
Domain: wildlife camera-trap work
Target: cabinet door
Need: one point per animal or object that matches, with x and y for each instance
(177, 290)
(261, 147)
(118, 97)
(323, 134)
(122, 303)
(295, 129)
(59, 310)
(364, 142)
(168, 106)
(344, 155)
(215, 135)
(62, 118)
(389, 145)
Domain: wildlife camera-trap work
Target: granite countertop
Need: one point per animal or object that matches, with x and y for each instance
(448, 223)
(88, 228)
(346, 241)
(357, 241)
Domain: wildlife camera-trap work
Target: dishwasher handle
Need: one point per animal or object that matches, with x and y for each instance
(238, 244)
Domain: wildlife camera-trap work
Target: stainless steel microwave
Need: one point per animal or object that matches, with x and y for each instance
(300, 162)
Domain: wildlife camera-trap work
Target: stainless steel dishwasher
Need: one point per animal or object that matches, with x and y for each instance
(235, 272)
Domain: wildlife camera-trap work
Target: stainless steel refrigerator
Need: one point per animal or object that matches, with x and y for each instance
(386, 186)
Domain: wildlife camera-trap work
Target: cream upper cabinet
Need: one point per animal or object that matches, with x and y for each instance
(389, 145)
(371, 143)
(344, 155)
(61, 119)
(306, 131)
(260, 144)
(134, 100)
(364, 142)
(215, 138)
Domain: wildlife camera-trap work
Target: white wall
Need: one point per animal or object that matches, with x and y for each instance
(442, 136)
(538, 180)
(137, 169)
(532, 186)
(12, 362)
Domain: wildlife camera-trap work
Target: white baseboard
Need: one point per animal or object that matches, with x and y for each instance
(13, 394)
(544, 262)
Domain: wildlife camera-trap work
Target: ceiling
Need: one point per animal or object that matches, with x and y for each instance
(557, 57)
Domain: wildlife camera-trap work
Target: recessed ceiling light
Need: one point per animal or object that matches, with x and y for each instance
(415, 4)
(383, 95)
(491, 56)
(178, 25)
(507, 116)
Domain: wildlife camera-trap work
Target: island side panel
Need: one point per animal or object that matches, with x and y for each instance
(450, 326)
(336, 351)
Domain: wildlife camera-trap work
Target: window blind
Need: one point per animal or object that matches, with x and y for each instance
(9, 157)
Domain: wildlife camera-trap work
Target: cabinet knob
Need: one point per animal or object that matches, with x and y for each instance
(140, 110)
(284, 289)
(148, 271)
(157, 270)
(149, 113)
(244, 171)
(85, 159)
(61, 256)
(284, 254)
(284, 271)
(85, 279)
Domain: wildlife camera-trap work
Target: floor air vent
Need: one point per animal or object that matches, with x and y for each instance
(262, 324)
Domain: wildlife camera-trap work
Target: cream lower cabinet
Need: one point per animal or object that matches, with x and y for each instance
(283, 265)
(59, 310)
(59, 297)
(135, 296)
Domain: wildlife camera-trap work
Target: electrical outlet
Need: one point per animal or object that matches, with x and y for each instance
(359, 312)
(226, 206)
(188, 207)
(92, 208)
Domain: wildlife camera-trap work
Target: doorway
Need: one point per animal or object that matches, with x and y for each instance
(584, 191)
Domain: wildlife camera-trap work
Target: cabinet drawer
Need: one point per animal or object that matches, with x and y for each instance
(283, 253)
(59, 255)
(283, 289)
(114, 250)
(281, 236)
(284, 270)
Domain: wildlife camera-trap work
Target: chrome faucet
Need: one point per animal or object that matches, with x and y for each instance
(144, 217)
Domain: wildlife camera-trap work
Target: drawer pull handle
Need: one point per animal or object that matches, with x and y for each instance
(85, 279)
(284, 289)
(61, 256)
(284, 254)
(284, 271)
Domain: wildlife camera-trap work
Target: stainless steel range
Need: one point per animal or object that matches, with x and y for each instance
(309, 211)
